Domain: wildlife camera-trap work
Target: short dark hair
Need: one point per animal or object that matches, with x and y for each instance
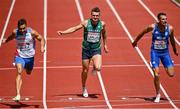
(160, 14)
(95, 9)
(21, 22)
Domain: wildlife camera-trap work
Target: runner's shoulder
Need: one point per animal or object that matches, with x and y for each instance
(171, 27)
(103, 23)
(152, 25)
(84, 23)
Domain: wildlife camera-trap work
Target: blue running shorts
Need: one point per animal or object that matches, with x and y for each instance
(88, 54)
(27, 63)
(163, 56)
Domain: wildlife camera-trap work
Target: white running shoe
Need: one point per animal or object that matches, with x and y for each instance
(85, 92)
(17, 98)
(158, 97)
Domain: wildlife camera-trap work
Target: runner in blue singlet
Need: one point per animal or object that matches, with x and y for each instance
(162, 32)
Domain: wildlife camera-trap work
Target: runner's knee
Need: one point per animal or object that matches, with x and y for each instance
(156, 75)
(19, 70)
(156, 72)
(85, 70)
(97, 68)
(170, 71)
(171, 74)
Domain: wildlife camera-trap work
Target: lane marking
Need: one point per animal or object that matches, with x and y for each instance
(7, 21)
(45, 55)
(109, 38)
(151, 13)
(176, 3)
(85, 100)
(99, 75)
(79, 66)
(137, 49)
(119, 105)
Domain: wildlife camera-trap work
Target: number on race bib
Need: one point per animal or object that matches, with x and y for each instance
(160, 44)
(93, 37)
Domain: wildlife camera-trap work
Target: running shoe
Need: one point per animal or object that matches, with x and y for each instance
(17, 98)
(158, 97)
(85, 92)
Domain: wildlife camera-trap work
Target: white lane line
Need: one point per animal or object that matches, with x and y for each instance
(45, 56)
(138, 50)
(79, 66)
(80, 38)
(151, 13)
(99, 75)
(7, 21)
(79, 10)
(176, 3)
(104, 90)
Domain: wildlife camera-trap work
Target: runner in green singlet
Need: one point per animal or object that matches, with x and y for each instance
(94, 28)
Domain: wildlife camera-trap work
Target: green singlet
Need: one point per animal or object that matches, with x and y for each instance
(92, 36)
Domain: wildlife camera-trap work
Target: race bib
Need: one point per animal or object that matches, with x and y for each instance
(93, 37)
(160, 44)
(25, 46)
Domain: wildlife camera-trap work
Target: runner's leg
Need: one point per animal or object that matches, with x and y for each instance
(97, 62)
(19, 68)
(84, 74)
(157, 84)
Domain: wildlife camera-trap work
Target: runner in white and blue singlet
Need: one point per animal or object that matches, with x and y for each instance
(25, 51)
(162, 32)
(25, 43)
(94, 29)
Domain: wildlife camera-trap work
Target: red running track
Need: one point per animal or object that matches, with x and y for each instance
(124, 73)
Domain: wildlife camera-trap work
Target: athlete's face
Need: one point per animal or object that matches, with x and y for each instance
(22, 28)
(95, 16)
(163, 20)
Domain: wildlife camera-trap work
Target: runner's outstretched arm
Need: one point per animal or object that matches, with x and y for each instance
(10, 37)
(141, 34)
(71, 29)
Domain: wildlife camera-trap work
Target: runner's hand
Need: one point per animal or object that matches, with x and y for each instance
(134, 44)
(4, 40)
(176, 53)
(60, 33)
(106, 49)
(42, 49)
